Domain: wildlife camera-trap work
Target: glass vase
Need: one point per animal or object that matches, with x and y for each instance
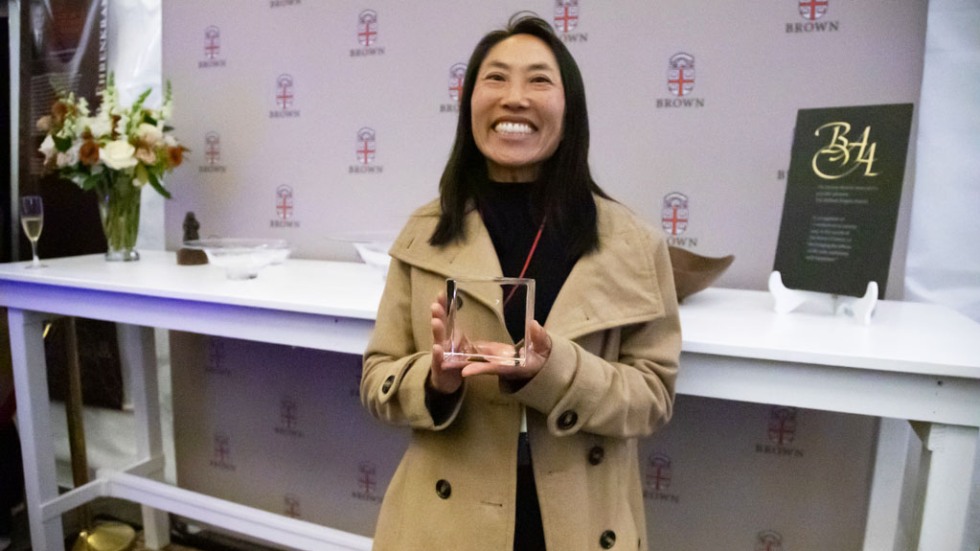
(119, 209)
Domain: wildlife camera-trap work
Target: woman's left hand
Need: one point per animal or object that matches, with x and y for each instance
(535, 355)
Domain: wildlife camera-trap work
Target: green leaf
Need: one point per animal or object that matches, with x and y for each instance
(62, 144)
(91, 182)
(158, 185)
(139, 101)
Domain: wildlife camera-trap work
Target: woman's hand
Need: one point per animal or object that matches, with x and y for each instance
(535, 355)
(445, 377)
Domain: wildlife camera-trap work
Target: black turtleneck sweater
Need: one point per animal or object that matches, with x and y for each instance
(509, 217)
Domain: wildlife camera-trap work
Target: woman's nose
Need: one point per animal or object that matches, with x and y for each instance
(515, 95)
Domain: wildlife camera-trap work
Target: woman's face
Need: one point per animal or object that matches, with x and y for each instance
(518, 107)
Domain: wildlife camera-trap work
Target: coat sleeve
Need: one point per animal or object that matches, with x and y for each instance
(618, 382)
(397, 361)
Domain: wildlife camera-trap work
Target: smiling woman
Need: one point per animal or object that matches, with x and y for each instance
(518, 108)
(541, 454)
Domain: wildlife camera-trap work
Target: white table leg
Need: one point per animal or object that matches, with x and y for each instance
(949, 456)
(891, 500)
(138, 356)
(34, 418)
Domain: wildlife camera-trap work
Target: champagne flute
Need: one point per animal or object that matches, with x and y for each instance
(32, 220)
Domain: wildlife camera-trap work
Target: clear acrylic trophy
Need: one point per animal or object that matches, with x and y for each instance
(470, 339)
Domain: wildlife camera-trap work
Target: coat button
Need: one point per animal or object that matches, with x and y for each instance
(596, 454)
(608, 539)
(444, 489)
(386, 386)
(567, 419)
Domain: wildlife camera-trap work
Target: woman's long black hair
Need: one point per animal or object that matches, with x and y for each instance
(565, 187)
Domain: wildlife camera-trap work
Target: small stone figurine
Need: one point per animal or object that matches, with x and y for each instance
(186, 256)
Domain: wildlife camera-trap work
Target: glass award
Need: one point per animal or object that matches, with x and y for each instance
(471, 302)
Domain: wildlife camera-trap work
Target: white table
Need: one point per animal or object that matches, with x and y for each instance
(918, 362)
(313, 304)
(914, 361)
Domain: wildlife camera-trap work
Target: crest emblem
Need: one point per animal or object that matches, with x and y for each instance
(782, 425)
(768, 540)
(216, 355)
(680, 74)
(811, 10)
(284, 202)
(284, 92)
(365, 146)
(292, 506)
(457, 74)
(212, 42)
(367, 477)
(222, 448)
(367, 28)
(674, 214)
(658, 473)
(212, 148)
(288, 413)
(566, 15)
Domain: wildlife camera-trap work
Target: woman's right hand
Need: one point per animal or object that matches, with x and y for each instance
(445, 377)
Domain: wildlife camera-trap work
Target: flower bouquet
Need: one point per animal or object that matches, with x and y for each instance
(116, 153)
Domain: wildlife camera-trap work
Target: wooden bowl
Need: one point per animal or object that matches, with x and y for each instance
(693, 272)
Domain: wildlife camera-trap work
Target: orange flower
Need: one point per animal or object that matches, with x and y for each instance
(175, 156)
(58, 112)
(88, 153)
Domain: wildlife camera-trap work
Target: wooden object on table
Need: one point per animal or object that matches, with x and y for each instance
(191, 257)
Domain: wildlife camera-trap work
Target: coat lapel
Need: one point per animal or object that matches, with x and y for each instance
(597, 297)
(475, 257)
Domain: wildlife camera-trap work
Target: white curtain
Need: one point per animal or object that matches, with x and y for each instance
(943, 263)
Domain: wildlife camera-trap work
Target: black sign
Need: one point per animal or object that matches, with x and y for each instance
(842, 198)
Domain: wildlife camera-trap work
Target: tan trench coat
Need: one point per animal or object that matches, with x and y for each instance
(609, 380)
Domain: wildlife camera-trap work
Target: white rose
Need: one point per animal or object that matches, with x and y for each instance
(118, 155)
(99, 126)
(149, 134)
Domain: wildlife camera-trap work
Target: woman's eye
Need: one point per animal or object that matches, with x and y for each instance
(494, 76)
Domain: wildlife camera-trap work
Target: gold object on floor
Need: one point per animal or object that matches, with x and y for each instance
(106, 536)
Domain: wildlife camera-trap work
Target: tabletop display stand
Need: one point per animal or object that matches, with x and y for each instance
(860, 309)
(917, 362)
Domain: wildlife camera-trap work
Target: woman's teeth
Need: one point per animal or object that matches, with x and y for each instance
(513, 128)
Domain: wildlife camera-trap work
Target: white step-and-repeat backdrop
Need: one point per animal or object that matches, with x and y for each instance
(321, 122)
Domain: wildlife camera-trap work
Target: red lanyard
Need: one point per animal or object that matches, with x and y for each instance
(534, 246)
(527, 261)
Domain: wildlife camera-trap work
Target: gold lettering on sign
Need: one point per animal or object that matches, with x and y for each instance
(841, 156)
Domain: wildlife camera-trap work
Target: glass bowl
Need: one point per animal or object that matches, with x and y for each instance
(374, 254)
(242, 258)
(371, 247)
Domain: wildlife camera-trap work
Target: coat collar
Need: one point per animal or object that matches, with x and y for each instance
(614, 286)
